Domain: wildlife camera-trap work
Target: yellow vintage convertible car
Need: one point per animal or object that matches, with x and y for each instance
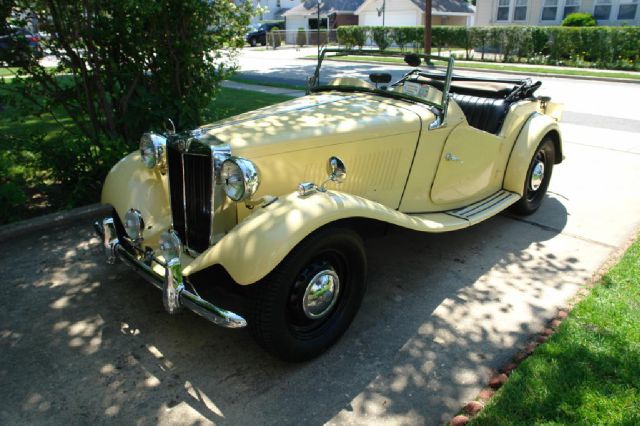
(258, 220)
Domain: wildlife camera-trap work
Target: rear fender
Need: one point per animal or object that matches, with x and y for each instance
(534, 130)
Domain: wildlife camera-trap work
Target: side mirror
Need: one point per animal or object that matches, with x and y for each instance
(337, 170)
(380, 78)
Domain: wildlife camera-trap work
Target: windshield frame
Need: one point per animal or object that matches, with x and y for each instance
(314, 81)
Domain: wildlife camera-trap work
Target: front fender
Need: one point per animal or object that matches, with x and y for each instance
(532, 133)
(130, 184)
(260, 242)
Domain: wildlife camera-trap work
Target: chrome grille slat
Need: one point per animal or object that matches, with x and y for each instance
(190, 185)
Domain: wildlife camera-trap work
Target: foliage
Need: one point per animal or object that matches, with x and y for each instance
(381, 37)
(579, 19)
(301, 37)
(603, 47)
(37, 156)
(352, 36)
(129, 64)
(274, 38)
(587, 373)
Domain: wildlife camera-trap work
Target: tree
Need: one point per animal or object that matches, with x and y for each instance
(579, 20)
(128, 65)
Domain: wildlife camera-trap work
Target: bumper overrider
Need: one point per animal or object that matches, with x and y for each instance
(175, 295)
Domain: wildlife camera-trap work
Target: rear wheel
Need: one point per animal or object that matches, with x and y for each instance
(310, 299)
(537, 180)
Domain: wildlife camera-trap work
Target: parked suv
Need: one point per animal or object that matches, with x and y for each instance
(259, 33)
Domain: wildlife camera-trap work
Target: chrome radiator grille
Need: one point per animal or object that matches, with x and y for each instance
(190, 185)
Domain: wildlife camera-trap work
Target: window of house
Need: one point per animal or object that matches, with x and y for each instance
(278, 3)
(628, 9)
(602, 10)
(520, 10)
(570, 6)
(313, 23)
(549, 10)
(503, 10)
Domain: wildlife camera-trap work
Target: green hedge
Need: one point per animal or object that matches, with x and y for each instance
(607, 47)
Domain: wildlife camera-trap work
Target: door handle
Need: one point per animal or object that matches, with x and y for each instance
(450, 157)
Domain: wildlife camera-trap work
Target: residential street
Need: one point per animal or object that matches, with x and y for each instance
(82, 342)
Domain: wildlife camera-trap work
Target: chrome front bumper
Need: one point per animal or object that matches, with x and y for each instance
(174, 294)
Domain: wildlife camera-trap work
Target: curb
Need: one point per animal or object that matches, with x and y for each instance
(53, 220)
(502, 375)
(536, 74)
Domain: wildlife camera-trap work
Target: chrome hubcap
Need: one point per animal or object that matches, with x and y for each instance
(537, 176)
(321, 294)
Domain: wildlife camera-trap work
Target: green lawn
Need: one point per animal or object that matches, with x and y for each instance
(7, 71)
(499, 67)
(240, 79)
(588, 373)
(21, 129)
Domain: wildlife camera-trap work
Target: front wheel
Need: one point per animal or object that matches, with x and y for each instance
(305, 305)
(253, 42)
(537, 180)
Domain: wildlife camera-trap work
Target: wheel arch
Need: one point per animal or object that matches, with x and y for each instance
(255, 246)
(535, 130)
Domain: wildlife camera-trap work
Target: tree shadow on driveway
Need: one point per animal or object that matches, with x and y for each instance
(86, 342)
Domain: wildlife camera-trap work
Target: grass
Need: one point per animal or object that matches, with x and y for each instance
(7, 71)
(239, 79)
(500, 67)
(21, 129)
(588, 372)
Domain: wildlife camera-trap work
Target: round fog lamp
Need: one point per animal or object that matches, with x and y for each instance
(134, 225)
(170, 245)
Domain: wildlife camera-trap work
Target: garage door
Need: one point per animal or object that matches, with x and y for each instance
(401, 19)
(369, 19)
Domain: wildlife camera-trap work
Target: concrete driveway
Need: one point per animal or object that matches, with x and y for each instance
(81, 342)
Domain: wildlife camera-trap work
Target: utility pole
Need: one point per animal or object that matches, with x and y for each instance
(427, 27)
(320, 4)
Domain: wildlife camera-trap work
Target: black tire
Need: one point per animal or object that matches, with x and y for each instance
(278, 321)
(253, 42)
(532, 197)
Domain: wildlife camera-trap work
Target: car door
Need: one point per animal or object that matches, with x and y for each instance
(471, 167)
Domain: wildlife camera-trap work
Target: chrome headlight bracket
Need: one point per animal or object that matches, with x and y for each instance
(153, 151)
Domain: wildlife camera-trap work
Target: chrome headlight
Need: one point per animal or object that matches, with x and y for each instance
(134, 225)
(152, 151)
(239, 178)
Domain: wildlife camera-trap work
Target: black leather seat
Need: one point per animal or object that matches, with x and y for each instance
(486, 114)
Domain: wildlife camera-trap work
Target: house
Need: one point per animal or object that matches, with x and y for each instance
(274, 9)
(552, 12)
(333, 13)
(411, 12)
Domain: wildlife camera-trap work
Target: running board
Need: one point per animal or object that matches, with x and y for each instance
(485, 208)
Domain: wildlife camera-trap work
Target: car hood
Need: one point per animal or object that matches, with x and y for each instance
(312, 121)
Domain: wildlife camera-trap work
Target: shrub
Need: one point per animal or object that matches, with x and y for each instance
(381, 37)
(352, 36)
(608, 47)
(301, 37)
(402, 36)
(579, 19)
(130, 64)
